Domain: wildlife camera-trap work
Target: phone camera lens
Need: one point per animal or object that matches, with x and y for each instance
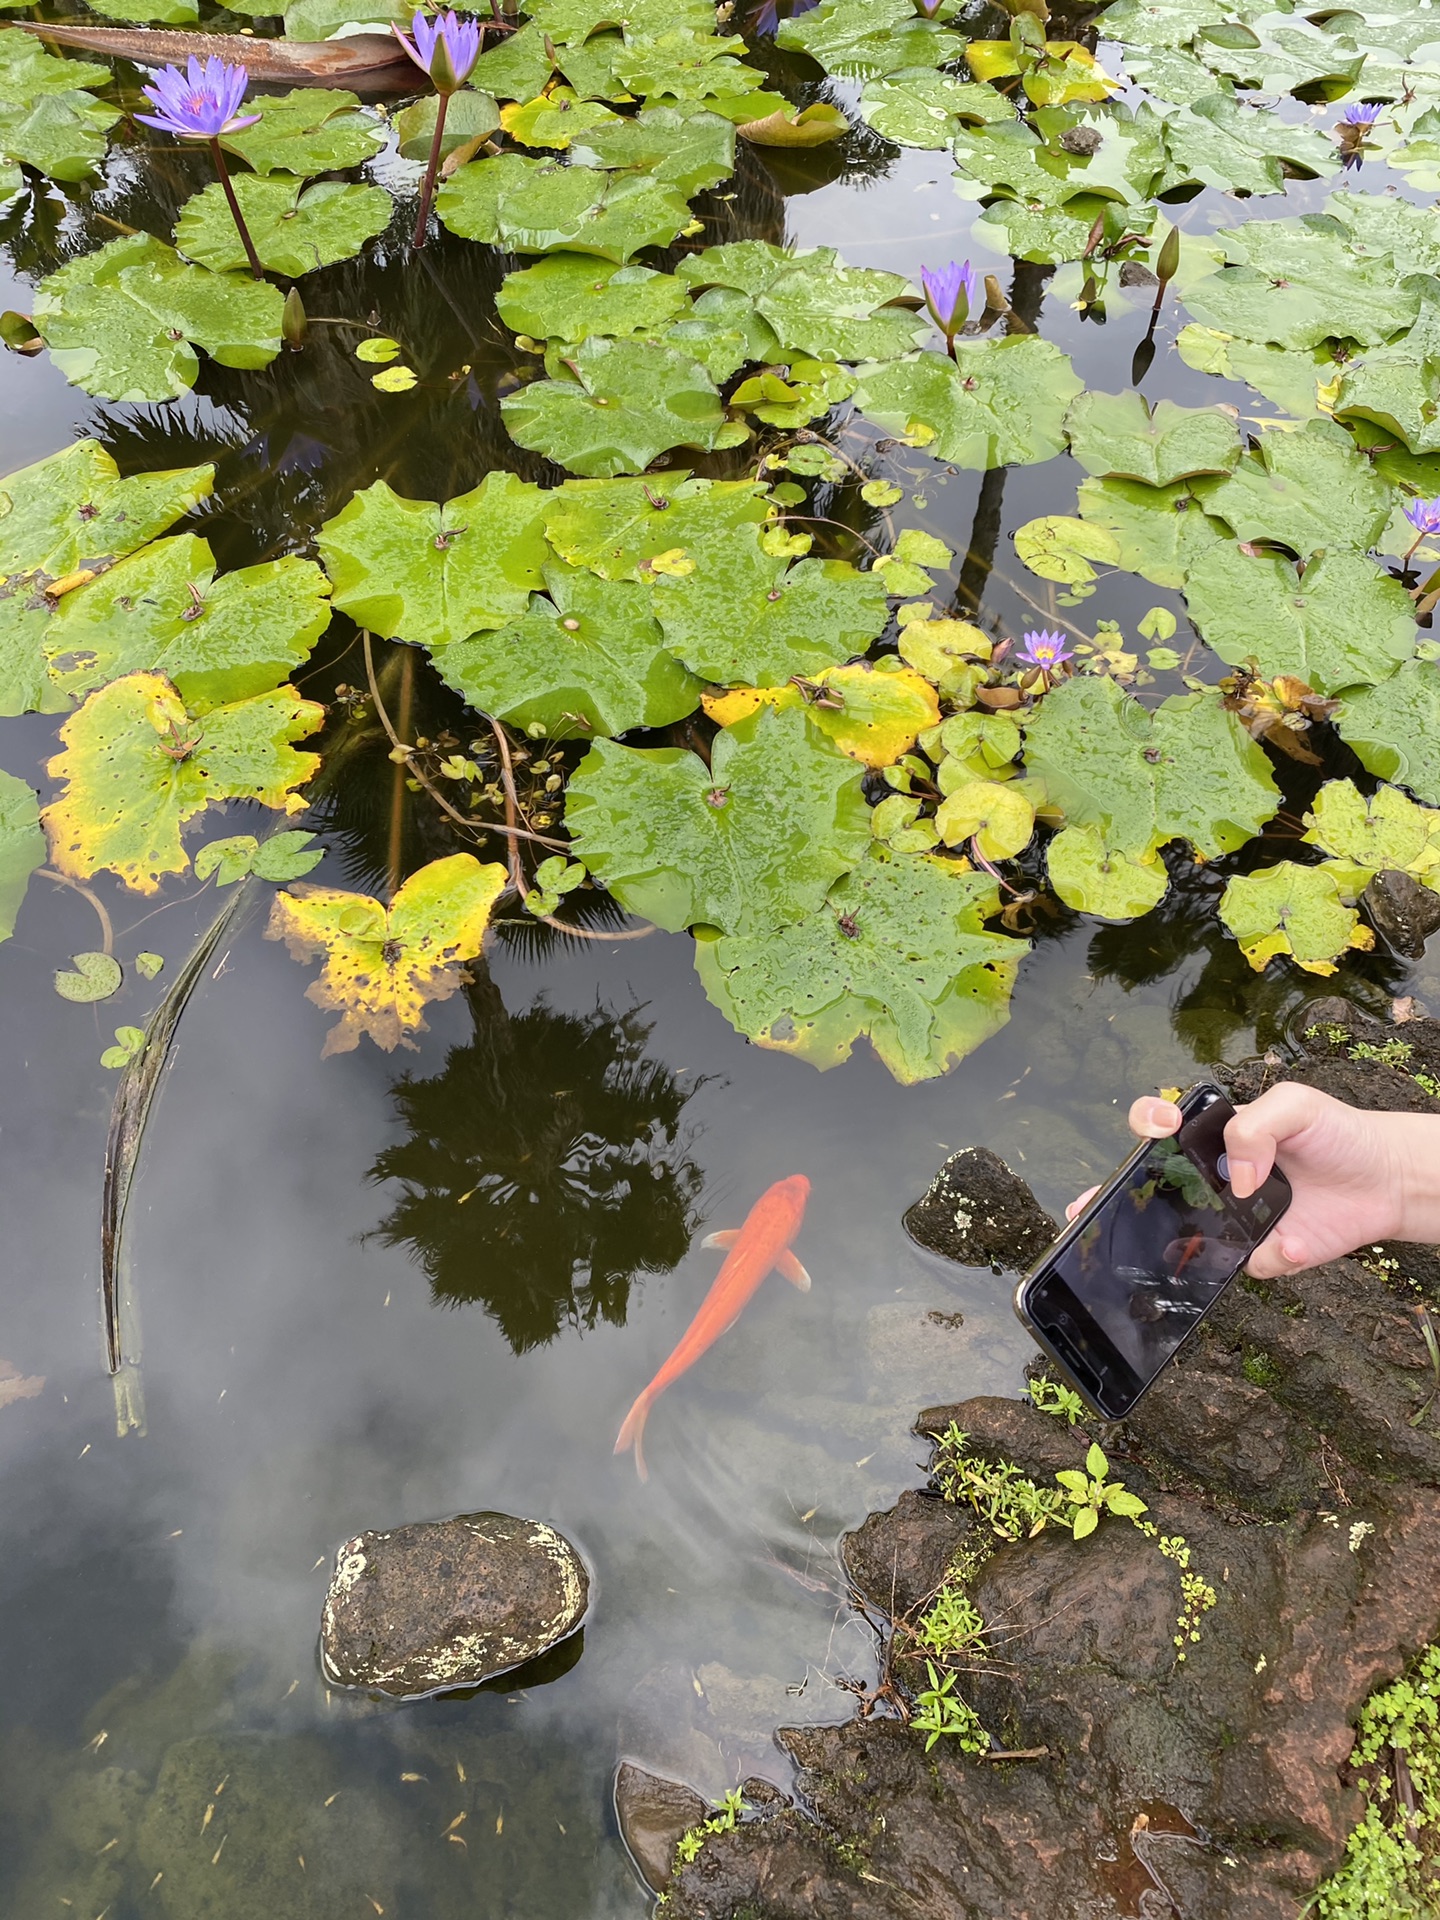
(1222, 1167)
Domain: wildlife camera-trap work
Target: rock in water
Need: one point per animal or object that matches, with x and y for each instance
(1402, 912)
(977, 1211)
(448, 1603)
(652, 1813)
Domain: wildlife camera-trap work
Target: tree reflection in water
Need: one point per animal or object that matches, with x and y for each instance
(544, 1167)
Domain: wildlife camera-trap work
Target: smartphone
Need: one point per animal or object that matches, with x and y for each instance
(1133, 1275)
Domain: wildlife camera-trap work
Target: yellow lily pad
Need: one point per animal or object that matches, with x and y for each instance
(811, 127)
(950, 653)
(992, 813)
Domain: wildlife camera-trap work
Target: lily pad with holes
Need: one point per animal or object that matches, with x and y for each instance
(163, 610)
(1306, 490)
(569, 296)
(899, 954)
(999, 403)
(433, 575)
(1345, 624)
(540, 206)
(1160, 531)
(617, 527)
(920, 107)
(1092, 875)
(1394, 728)
(815, 304)
(587, 659)
(136, 766)
(22, 846)
(629, 402)
(295, 229)
(307, 131)
(383, 966)
(1119, 433)
(872, 713)
(1293, 911)
(745, 845)
(124, 323)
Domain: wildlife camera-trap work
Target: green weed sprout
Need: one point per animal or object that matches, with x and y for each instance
(724, 1820)
(1093, 1493)
(1050, 1397)
(939, 1709)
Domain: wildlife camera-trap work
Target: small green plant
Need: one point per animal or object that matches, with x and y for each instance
(953, 1624)
(1391, 1053)
(1427, 1083)
(1092, 1493)
(724, 1820)
(1050, 1397)
(1391, 1866)
(939, 1709)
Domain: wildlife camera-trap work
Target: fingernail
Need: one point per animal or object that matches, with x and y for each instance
(1243, 1181)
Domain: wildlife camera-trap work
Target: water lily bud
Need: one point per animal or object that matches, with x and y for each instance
(294, 327)
(1169, 258)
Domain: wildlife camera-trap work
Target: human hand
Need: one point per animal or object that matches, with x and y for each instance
(1356, 1177)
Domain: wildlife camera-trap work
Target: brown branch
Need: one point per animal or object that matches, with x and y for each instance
(107, 932)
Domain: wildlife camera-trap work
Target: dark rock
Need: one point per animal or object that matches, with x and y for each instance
(1402, 912)
(1134, 273)
(1228, 1435)
(895, 1561)
(448, 1603)
(999, 1429)
(978, 1212)
(652, 1813)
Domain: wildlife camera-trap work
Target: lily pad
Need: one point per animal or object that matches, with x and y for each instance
(1298, 283)
(1386, 224)
(95, 976)
(618, 527)
(1305, 490)
(922, 108)
(469, 119)
(994, 814)
(1394, 728)
(1057, 547)
(433, 575)
(59, 133)
(309, 130)
(1093, 876)
(1161, 531)
(813, 126)
(1051, 74)
(160, 13)
(630, 401)
(1397, 387)
(872, 713)
(747, 844)
(1010, 157)
(22, 846)
(1384, 833)
(136, 766)
(570, 296)
(816, 305)
(588, 659)
(295, 228)
(540, 206)
(898, 953)
(682, 64)
(124, 323)
(1118, 433)
(1000, 403)
(1346, 624)
(517, 69)
(862, 39)
(164, 611)
(685, 150)
(1295, 911)
(383, 967)
(554, 118)
(571, 22)
(1289, 381)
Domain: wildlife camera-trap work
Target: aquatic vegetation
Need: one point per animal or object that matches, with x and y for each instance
(952, 294)
(201, 104)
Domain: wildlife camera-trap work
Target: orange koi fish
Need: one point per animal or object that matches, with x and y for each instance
(752, 1251)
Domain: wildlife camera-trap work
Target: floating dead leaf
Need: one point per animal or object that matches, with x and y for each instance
(812, 127)
(382, 968)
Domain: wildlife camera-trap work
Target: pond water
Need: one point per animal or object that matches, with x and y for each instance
(320, 1337)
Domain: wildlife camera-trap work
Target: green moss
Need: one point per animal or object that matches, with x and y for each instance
(1259, 1369)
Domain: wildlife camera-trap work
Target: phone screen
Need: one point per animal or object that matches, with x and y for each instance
(1118, 1298)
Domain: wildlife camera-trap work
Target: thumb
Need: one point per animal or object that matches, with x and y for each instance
(1257, 1132)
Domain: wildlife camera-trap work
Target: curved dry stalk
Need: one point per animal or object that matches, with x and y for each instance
(107, 932)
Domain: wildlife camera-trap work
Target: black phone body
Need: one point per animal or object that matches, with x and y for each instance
(1133, 1275)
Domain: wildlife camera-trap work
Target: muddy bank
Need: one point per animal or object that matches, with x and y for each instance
(1285, 1450)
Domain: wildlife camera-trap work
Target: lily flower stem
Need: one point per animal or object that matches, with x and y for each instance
(427, 191)
(249, 245)
(981, 861)
(1410, 553)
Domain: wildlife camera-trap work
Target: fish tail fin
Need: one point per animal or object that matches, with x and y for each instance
(632, 1434)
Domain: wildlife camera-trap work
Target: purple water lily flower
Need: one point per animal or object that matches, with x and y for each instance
(199, 104)
(1424, 516)
(1361, 116)
(952, 293)
(446, 47)
(929, 8)
(1044, 650)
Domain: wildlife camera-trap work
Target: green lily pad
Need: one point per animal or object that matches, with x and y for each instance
(1010, 157)
(747, 844)
(922, 108)
(321, 19)
(743, 617)
(1291, 910)
(28, 70)
(994, 814)
(685, 150)
(1000, 403)
(1289, 381)
(1161, 531)
(137, 766)
(163, 610)
(1346, 624)
(1387, 224)
(862, 39)
(1172, 23)
(685, 65)
(309, 130)
(816, 305)
(1047, 235)
(1186, 771)
(295, 228)
(631, 401)
(22, 846)
(554, 119)
(1117, 433)
(1385, 833)
(1394, 728)
(1398, 387)
(1093, 876)
(95, 977)
(124, 323)
(470, 118)
(571, 22)
(1305, 490)
(589, 659)
(1057, 547)
(59, 133)
(157, 13)
(570, 296)
(898, 953)
(64, 518)
(1170, 74)
(433, 575)
(617, 527)
(540, 206)
(1316, 64)
(517, 68)
(1298, 283)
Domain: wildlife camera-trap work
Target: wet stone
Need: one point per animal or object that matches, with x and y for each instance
(980, 1213)
(1402, 912)
(652, 1813)
(448, 1603)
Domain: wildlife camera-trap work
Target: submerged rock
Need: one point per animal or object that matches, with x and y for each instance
(448, 1603)
(652, 1813)
(1402, 912)
(978, 1212)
